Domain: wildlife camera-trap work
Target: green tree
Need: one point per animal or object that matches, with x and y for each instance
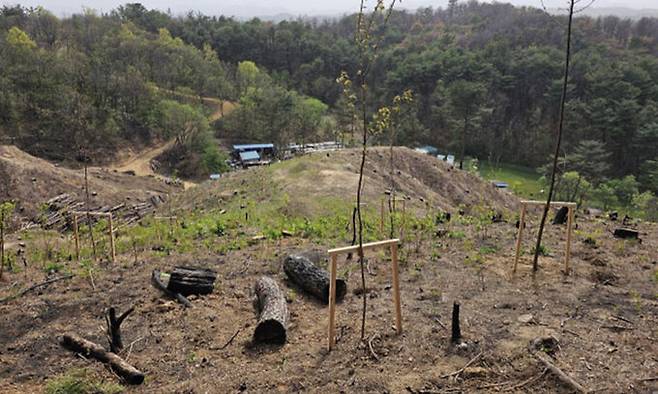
(465, 99)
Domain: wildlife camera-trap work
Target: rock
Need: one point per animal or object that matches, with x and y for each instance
(548, 344)
(526, 318)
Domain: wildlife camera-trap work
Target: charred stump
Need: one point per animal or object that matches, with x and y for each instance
(561, 216)
(273, 310)
(456, 330)
(90, 349)
(312, 279)
(188, 280)
(114, 328)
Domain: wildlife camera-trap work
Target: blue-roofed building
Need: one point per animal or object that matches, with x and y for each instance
(253, 154)
(249, 156)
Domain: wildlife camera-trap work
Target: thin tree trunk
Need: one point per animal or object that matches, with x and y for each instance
(2, 242)
(358, 205)
(461, 158)
(88, 205)
(535, 262)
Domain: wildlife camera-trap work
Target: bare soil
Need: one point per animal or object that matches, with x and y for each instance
(604, 315)
(31, 181)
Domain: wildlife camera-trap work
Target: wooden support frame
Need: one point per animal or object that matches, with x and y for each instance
(571, 206)
(333, 253)
(111, 231)
(404, 214)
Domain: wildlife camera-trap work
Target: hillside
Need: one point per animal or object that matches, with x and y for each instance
(599, 315)
(32, 181)
(306, 183)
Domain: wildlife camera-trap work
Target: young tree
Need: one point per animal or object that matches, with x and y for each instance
(558, 139)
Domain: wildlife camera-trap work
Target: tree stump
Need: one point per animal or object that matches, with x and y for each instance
(273, 310)
(312, 279)
(188, 280)
(561, 216)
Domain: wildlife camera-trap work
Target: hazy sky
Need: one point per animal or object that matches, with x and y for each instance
(246, 8)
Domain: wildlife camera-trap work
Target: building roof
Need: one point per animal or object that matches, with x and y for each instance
(247, 147)
(249, 155)
(428, 149)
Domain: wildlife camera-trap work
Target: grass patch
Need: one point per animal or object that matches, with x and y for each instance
(80, 381)
(523, 181)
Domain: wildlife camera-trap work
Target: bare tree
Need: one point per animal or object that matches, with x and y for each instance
(558, 142)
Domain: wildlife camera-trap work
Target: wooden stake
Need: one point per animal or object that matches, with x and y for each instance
(568, 251)
(519, 236)
(333, 253)
(381, 218)
(76, 237)
(396, 288)
(332, 301)
(113, 253)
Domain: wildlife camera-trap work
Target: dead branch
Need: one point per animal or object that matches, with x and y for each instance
(468, 364)
(90, 349)
(23, 292)
(372, 350)
(230, 340)
(528, 381)
(560, 374)
(155, 280)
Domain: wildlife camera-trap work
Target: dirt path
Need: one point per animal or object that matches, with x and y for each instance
(140, 162)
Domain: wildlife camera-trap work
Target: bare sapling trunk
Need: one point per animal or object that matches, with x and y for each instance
(2, 242)
(535, 262)
(88, 207)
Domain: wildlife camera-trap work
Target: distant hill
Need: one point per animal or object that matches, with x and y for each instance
(621, 12)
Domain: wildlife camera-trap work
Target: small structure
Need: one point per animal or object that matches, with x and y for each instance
(428, 150)
(253, 154)
(249, 158)
(451, 160)
(500, 185)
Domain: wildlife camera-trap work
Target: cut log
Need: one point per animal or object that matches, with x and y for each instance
(90, 349)
(561, 216)
(626, 233)
(273, 310)
(157, 282)
(189, 280)
(311, 278)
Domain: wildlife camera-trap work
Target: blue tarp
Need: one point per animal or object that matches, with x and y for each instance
(251, 147)
(501, 185)
(249, 156)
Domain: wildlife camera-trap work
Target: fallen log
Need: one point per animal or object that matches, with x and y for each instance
(273, 310)
(311, 278)
(189, 280)
(626, 233)
(157, 282)
(87, 348)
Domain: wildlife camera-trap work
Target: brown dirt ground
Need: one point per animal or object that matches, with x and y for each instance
(32, 181)
(604, 315)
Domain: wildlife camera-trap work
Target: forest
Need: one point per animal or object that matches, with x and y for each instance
(485, 78)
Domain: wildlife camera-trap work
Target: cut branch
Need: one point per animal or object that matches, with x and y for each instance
(87, 348)
(157, 282)
(560, 374)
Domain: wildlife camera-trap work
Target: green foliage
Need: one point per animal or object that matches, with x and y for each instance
(605, 195)
(625, 188)
(80, 381)
(20, 39)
